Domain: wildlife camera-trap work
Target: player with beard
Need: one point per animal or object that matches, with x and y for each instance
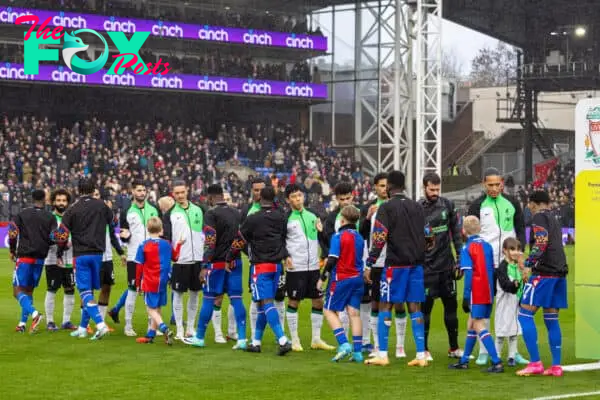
(134, 231)
(57, 277)
(440, 265)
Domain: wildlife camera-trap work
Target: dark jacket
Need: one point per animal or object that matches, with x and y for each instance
(34, 228)
(400, 223)
(264, 232)
(547, 256)
(86, 220)
(221, 225)
(444, 221)
(328, 232)
(502, 278)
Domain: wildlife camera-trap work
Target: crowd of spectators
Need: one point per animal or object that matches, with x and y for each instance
(228, 62)
(34, 153)
(179, 12)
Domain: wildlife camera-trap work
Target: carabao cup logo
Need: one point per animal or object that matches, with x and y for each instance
(73, 45)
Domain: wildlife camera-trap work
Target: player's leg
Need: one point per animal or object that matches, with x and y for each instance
(130, 299)
(23, 283)
(483, 357)
(412, 282)
(400, 320)
(338, 294)
(114, 312)
(279, 299)
(316, 315)
(90, 303)
(267, 284)
(426, 309)
(179, 284)
(53, 283)
(68, 298)
(365, 315)
(499, 345)
(236, 305)
(353, 310)
(193, 299)
(557, 301)
(107, 280)
(374, 317)
(485, 337)
(295, 288)
(217, 320)
(450, 303)
(535, 295)
(470, 342)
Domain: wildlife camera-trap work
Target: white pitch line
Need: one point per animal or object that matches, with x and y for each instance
(568, 396)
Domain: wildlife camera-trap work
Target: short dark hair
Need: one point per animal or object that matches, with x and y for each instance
(215, 190)
(60, 192)
(267, 194)
(511, 244)
(257, 179)
(491, 172)
(396, 180)
(379, 176)
(433, 178)
(292, 188)
(342, 188)
(86, 187)
(178, 182)
(138, 182)
(539, 197)
(38, 195)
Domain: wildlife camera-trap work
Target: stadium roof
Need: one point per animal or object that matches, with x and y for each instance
(515, 21)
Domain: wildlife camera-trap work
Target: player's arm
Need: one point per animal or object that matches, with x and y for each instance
(466, 265)
(167, 227)
(139, 265)
(519, 221)
(241, 239)
(60, 235)
(379, 236)
(455, 228)
(13, 234)
(540, 233)
(365, 223)
(326, 235)
(210, 236)
(124, 224)
(114, 241)
(332, 258)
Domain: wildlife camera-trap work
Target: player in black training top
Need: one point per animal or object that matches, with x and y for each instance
(440, 264)
(29, 242)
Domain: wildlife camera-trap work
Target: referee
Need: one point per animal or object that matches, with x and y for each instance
(87, 220)
(440, 277)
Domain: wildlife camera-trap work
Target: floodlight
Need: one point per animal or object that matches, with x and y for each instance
(580, 31)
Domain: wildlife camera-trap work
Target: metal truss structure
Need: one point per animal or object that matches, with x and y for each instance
(387, 101)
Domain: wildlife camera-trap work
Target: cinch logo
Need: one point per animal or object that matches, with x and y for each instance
(298, 91)
(167, 83)
(128, 48)
(118, 80)
(69, 22)
(8, 72)
(207, 33)
(169, 31)
(67, 76)
(10, 16)
(256, 88)
(263, 39)
(119, 26)
(304, 43)
(213, 86)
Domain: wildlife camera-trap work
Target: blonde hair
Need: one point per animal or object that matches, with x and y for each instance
(351, 214)
(471, 225)
(166, 203)
(154, 225)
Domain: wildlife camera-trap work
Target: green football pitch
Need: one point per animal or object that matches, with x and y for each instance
(56, 366)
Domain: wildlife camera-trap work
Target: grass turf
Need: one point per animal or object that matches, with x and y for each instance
(54, 365)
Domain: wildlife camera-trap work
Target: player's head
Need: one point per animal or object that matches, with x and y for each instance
(138, 190)
(60, 199)
(215, 194)
(86, 187)
(471, 225)
(294, 196)
(258, 184)
(267, 196)
(396, 182)
(432, 186)
(155, 226)
(343, 194)
(380, 185)
(227, 198)
(511, 247)
(96, 194)
(39, 197)
(538, 200)
(165, 203)
(180, 192)
(350, 215)
(492, 182)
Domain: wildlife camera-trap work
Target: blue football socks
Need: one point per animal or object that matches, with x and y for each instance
(529, 334)
(206, 311)
(383, 328)
(554, 336)
(469, 346)
(418, 329)
(340, 336)
(240, 316)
